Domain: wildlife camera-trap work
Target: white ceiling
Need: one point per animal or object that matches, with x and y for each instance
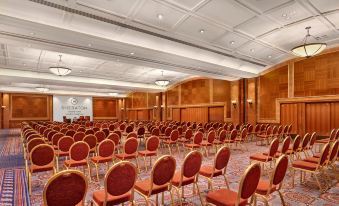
(240, 39)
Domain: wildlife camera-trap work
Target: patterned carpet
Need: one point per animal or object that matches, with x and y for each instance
(13, 189)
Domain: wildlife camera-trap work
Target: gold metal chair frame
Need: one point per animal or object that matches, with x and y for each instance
(61, 173)
(150, 157)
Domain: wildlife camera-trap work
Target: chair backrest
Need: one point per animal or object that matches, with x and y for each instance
(163, 171)
(79, 136)
(129, 129)
(111, 127)
(257, 128)
(65, 143)
(50, 134)
(191, 165)
(68, 187)
(221, 158)
(305, 141)
(117, 184)
(313, 138)
(286, 144)
(131, 146)
(105, 131)
(174, 135)
(198, 137)
(152, 143)
(249, 182)
(132, 135)
(280, 129)
(189, 134)
(91, 140)
(279, 171)
(211, 136)
(168, 131)
(79, 151)
(289, 130)
(115, 138)
(243, 134)
(106, 148)
(100, 135)
(56, 137)
(117, 132)
(141, 131)
(273, 147)
(275, 130)
(89, 131)
(64, 130)
(70, 133)
(34, 142)
(324, 154)
(233, 134)
(81, 129)
(334, 151)
(155, 131)
(33, 136)
(296, 143)
(46, 132)
(42, 154)
(222, 135)
(96, 129)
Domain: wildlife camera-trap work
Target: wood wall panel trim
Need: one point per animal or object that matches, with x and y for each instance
(198, 105)
(32, 105)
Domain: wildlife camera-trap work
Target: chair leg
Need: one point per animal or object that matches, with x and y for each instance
(97, 170)
(89, 172)
(57, 163)
(179, 196)
(318, 182)
(282, 198)
(30, 183)
(198, 190)
(226, 181)
(169, 149)
(172, 198)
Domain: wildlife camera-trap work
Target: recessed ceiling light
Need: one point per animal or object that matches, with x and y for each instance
(118, 60)
(160, 16)
(42, 89)
(287, 18)
(232, 42)
(132, 53)
(90, 45)
(284, 15)
(24, 64)
(80, 71)
(269, 56)
(113, 94)
(29, 45)
(252, 50)
(32, 33)
(201, 31)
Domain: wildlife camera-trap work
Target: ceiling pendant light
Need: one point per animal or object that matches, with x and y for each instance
(162, 82)
(59, 69)
(308, 49)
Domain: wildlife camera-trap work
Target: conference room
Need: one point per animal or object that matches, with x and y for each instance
(169, 102)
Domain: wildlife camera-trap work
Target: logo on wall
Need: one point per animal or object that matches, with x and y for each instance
(74, 101)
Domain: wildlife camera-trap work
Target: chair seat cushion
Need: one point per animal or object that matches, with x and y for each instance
(74, 163)
(260, 157)
(304, 165)
(224, 197)
(185, 180)
(218, 142)
(99, 198)
(317, 155)
(192, 145)
(144, 187)
(169, 142)
(262, 136)
(37, 168)
(184, 140)
(147, 153)
(61, 153)
(229, 141)
(207, 171)
(263, 187)
(312, 159)
(322, 141)
(99, 159)
(205, 143)
(124, 156)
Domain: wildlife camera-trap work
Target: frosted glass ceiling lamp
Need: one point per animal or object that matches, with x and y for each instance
(42, 89)
(59, 69)
(308, 49)
(162, 82)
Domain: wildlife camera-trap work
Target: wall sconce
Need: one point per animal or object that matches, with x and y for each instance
(234, 103)
(3, 107)
(250, 101)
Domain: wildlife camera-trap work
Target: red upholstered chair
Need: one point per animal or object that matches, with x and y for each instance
(274, 184)
(187, 137)
(78, 156)
(111, 127)
(118, 132)
(41, 160)
(46, 132)
(188, 174)
(303, 146)
(81, 129)
(119, 185)
(90, 131)
(64, 130)
(209, 142)
(242, 139)
(130, 150)
(129, 129)
(285, 146)
(106, 131)
(70, 133)
(79, 136)
(232, 136)
(311, 144)
(91, 140)
(166, 134)
(152, 145)
(263, 158)
(64, 144)
(155, 132)
(105, 154)
(265, 135)
(331, 138)
(65, 188)
(100, 135)
(131, 135)
(159, 181)
(115, 138)
(247, 186)
(33, 136)
(196, 144)
(292, 151)
(30, 145)
(57, 128)
(218, 168)
(55, 139)
(173, 140)
(96, 129)
(311, 167)
(141, 133)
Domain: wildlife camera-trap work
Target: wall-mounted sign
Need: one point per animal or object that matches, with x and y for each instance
(71, 107)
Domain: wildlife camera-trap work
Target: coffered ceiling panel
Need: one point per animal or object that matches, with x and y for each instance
(232, 40)
(325, 5)
(257, 26)
(229, 13)
(158, 15)
(334, 18)
(263, 5)
(200, 29)
(188, 4)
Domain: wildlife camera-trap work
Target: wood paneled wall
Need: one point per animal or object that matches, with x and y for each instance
(304, 92)
(200, 100)
(143, 106)
(104, 108)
